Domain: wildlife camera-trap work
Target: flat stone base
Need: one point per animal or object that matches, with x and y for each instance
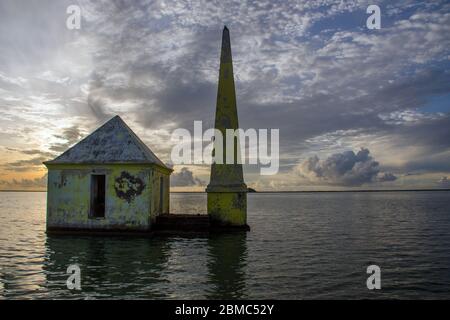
(174, 223)
(96, 232)
(164, 224)
(182, 223)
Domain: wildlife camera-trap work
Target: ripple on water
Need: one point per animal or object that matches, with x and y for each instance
(301, 246)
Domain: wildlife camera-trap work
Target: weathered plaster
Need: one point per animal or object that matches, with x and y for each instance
(130, 195)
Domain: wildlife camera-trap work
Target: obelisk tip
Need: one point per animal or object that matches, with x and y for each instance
(226, 46)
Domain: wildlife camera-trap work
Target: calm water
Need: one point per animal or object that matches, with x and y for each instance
(302, 246)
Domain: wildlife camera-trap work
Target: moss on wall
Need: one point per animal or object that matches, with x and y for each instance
(228, 208)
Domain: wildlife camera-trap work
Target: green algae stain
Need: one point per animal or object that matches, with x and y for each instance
(228, 208)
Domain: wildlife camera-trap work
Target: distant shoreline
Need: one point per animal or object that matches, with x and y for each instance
(303, 191)
(327, 191)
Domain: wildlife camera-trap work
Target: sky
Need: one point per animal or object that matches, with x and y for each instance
(355, 108)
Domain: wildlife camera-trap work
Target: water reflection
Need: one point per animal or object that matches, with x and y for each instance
(227, 261)
(307, 245)
(110, 267)
(113, 267)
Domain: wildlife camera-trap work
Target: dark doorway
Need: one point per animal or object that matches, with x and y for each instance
(161, 194)
(98, 191)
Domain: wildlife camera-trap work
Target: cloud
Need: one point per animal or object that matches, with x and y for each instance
(444, 182)
(25, 165)
(346, 169)
(386, 177)
(33, 152)
(184, 178)
(71, 135)
(24, 184)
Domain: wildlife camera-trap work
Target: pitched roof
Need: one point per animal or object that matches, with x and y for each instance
(113, 142)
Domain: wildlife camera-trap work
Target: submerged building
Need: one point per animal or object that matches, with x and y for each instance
(109, 181)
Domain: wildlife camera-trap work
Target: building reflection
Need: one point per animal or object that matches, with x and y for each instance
(110, 266)
(227, 261)
(141, 268)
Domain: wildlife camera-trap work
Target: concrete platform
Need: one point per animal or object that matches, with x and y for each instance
(173, 223)
(165, 224)
(182, 222)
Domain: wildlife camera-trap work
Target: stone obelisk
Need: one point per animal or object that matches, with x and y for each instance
(227, 192)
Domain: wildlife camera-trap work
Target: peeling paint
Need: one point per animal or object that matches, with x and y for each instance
(62, 182)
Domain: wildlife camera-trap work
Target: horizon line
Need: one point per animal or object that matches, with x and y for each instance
(289, 191)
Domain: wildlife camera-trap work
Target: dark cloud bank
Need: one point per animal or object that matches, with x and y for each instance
(347, 168)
